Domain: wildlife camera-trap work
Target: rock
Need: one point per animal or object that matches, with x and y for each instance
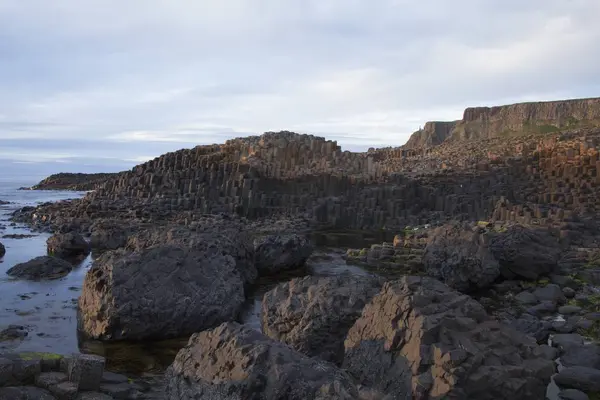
(281, 253)
(581, 355)
(313, 314)
(572, 394)
(566, 340)
(236, 362)
(86, 371)
(532, 326)
(13, 332)
(458, 256)
(64, 390)
(543, 308)
(526, 298)
(568, 310)
(525, 252)
(47, 379)
(2, 250)
(67, 245)
(582, 378)
(546, 352)
(569, 293)
(93, 396)
(25, 393)
(108, 235)
(6, 368)
(551, 293)
(162, 292)
(44, 267)
(418, 333)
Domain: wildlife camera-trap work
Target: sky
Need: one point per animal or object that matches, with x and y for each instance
(102, 85)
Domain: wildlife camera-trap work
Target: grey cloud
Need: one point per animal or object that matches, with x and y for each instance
(79, 76)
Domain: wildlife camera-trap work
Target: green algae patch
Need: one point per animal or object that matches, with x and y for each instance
(28, 356)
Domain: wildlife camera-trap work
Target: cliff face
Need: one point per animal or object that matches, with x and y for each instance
(432, 134)
(511, 120)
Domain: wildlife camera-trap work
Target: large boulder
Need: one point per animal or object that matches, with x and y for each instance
(419, 335)
(44, 267)
(313, 314)
(280, 253)
(459, 256)
(234, 362)
(2, 250)
(525, 252)
(212, 235)
(159, 293)
(67, 245)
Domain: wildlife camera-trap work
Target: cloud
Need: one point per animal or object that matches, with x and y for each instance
(113, 80)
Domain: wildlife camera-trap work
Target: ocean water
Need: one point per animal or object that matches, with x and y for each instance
(45, 309)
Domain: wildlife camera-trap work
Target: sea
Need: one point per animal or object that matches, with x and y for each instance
(45, 310)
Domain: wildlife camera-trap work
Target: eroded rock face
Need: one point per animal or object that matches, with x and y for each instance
(420, 336)
(162, 292)
(525, 252)
(313, 314)
(281, 253)
(44, 267)
(66, 245)
(234, 362)
(459, 256)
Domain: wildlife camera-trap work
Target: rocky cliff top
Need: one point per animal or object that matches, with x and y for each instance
(519, 119)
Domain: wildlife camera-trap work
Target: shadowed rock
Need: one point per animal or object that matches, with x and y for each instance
(459, 256)
(44, 267)
(525, 252)
(2, 250)
(159, 293)
(281, 253)
(314, 314)
(67, 245)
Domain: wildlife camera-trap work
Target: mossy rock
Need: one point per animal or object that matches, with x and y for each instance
(28, 356)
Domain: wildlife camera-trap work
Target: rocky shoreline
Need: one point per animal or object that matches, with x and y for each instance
(488, 289)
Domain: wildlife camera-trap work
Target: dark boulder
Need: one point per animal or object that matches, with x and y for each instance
(236, 362)
(67, 245)
(458, 255)
(525, 252)
(2, 250)
(419, 335)
(44, 267)
(280, 253)
(313, 314)
(159, 293)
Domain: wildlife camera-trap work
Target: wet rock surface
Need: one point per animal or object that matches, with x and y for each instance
(44, 267)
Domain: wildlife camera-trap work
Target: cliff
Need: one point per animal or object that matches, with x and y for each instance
(78, 182)
(519, 119)
(432, 134)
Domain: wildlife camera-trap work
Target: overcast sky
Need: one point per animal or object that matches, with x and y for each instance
(105, 84)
